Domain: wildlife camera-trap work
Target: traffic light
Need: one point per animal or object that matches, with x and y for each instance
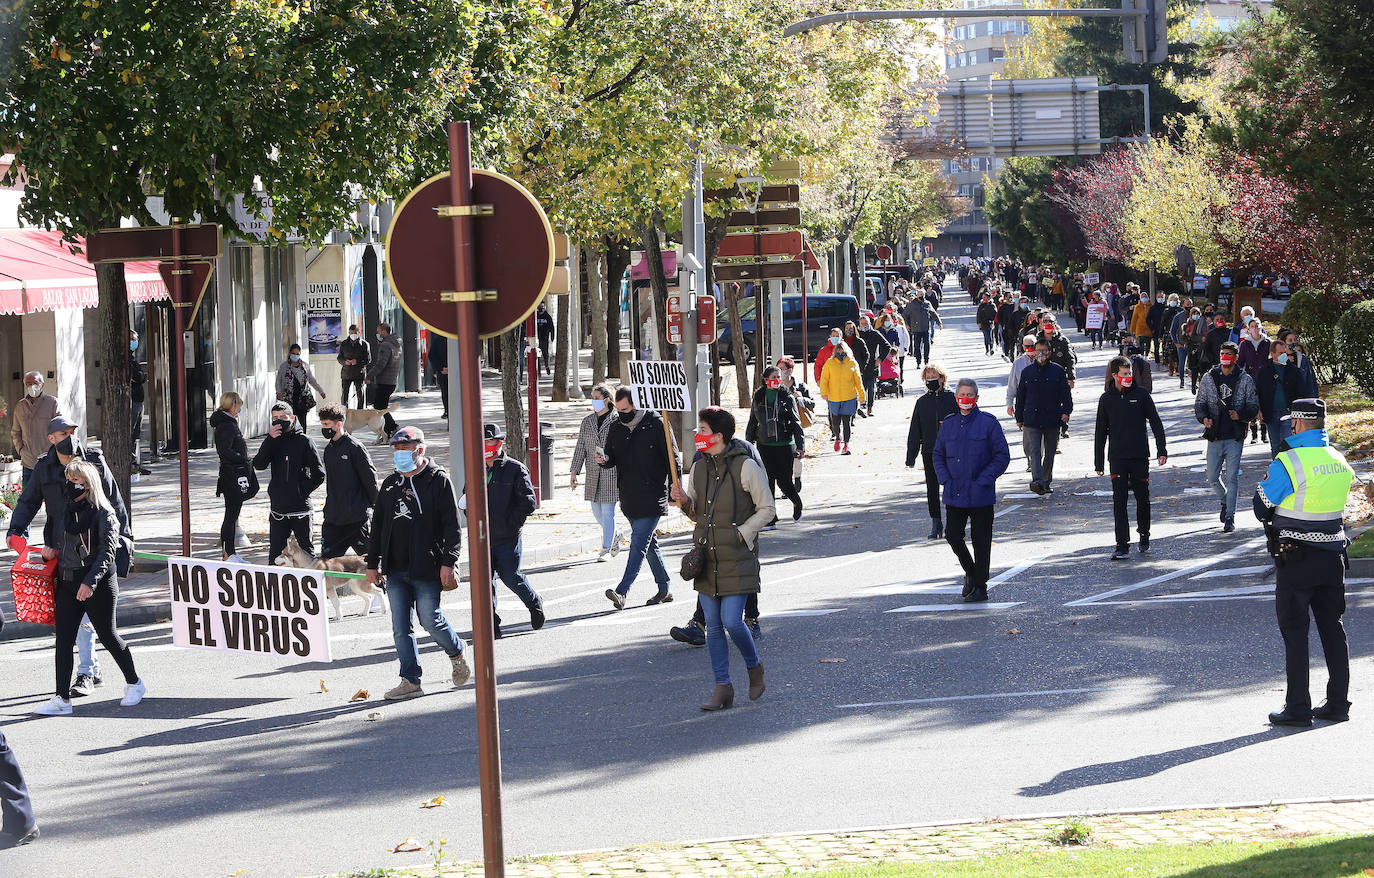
(1145, 38)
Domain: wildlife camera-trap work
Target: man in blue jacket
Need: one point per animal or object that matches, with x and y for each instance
(510, 500)
(970, 453)
(1043, 403)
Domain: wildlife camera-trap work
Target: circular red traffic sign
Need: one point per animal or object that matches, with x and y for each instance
(884, 252)
(513, 246)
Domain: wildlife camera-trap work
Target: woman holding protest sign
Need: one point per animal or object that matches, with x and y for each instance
(87, 585)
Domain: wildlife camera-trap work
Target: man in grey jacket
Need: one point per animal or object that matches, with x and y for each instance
(383, 371)
(918, 315)
(1226, 402)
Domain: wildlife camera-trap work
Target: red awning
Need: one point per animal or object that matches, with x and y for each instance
(38, 272)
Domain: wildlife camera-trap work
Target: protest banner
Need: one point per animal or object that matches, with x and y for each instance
(248, 608)
(660, 385)
(1091, 278)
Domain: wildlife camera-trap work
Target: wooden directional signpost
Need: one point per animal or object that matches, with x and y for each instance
(185, 256)
(470, 255)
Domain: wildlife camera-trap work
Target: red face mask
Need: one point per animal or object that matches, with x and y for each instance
(490, 450)
(774, 383)
(1126, 380)
(966, 402)
(1048, 328)
(1227, 359)
(1030, 349)
(703, 440)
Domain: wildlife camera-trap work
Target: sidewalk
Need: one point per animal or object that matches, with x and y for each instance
(809, 852)
(561, 531)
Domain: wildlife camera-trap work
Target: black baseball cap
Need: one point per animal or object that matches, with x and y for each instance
(1306, 410)
(493, 431)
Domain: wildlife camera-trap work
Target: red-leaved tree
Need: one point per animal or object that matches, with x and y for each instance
(1094, 193)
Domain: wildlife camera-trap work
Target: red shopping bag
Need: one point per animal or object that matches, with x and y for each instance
(34, 582)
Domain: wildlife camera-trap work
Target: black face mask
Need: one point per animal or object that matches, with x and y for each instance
(284, 425)
(66, 446)
(71, 490)
(933, 386)
(626, 417)
(328, 432)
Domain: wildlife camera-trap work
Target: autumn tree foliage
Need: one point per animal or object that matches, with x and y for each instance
(1095, 194)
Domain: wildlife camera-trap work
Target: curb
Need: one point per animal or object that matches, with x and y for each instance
(544, 559)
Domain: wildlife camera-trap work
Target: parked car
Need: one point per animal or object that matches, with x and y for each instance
(823, 311)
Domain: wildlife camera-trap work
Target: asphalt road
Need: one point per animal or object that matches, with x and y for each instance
(1083, 685)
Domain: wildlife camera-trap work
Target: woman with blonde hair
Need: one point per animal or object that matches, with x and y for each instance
(237, 483)
(87, 584)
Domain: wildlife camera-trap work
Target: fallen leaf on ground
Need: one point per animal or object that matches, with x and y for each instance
(832, 661)
(1014, 631)
(373, 717)
(360, 695)
(159, 621)
(323, 688)
(409, 846)
(435, 802)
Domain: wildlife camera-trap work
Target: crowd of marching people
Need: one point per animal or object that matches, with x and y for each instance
(405, 527)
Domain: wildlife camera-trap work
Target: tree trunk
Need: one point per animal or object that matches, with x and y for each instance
(512, 367)
(658, 283)
(112, 353)
(617, 261)
(562, 330)
(596, 305)
(737, 344)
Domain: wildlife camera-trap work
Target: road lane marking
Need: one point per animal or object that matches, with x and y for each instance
(1233, 571)
(1012, 508)
(990, 695)
(936, 608)
(786, 613)
(1106, 596)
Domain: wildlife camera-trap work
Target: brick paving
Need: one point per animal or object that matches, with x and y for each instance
(783, 854)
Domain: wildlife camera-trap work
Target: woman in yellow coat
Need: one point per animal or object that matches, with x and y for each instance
(842, 387)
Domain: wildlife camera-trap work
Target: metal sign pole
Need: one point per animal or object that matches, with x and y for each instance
(479, 550)
(532, 375)
(181, 398)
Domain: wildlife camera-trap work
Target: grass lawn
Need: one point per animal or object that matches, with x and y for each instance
(1363, 547)
(1350, 418)
(1300, 858)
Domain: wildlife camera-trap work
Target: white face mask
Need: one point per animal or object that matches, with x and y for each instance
(353, 336)
(598, 405)
(34, 390)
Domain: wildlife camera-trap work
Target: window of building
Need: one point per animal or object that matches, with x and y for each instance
(249, 308)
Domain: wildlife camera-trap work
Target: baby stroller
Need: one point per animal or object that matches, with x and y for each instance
(889, 379)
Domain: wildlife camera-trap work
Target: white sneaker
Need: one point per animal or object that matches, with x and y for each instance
(55, 706)
(133, 694)
(235, 558)
(615, 543)
(604, 555)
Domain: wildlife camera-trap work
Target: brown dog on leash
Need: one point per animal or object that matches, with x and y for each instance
(294, 556)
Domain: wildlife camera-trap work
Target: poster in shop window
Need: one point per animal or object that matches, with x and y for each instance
(324, 317)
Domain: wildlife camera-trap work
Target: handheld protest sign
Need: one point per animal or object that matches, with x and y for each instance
(661, 385)
(278, 612)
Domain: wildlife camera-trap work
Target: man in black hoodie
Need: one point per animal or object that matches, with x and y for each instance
(1123, 413)
(414, 544)
(878, 348)
(510, 500)
(637, 448)
(296, 472)
(350, 487)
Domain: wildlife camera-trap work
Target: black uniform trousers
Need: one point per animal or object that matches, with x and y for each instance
(976, 565)
(16, 808)
(1130, 476)
(337, 539)
(1313, 581)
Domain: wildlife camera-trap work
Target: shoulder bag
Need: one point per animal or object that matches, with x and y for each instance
(694, 562)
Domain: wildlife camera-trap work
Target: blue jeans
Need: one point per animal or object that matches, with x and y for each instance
(987, 339)
(644, 542)
(1223, 470)
(89, 663)
(1278, 431)
(604, 513)
(405, 593)
(505, 563)
(726, 614)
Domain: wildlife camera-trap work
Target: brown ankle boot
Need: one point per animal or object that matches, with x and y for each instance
(723, 697)
(756, 686)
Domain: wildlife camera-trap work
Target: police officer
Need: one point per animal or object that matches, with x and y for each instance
(1302, 502)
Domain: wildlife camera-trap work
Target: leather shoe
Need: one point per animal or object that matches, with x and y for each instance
(968, 587)
(1328, 713)
(977, 596)
(1289, 717)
